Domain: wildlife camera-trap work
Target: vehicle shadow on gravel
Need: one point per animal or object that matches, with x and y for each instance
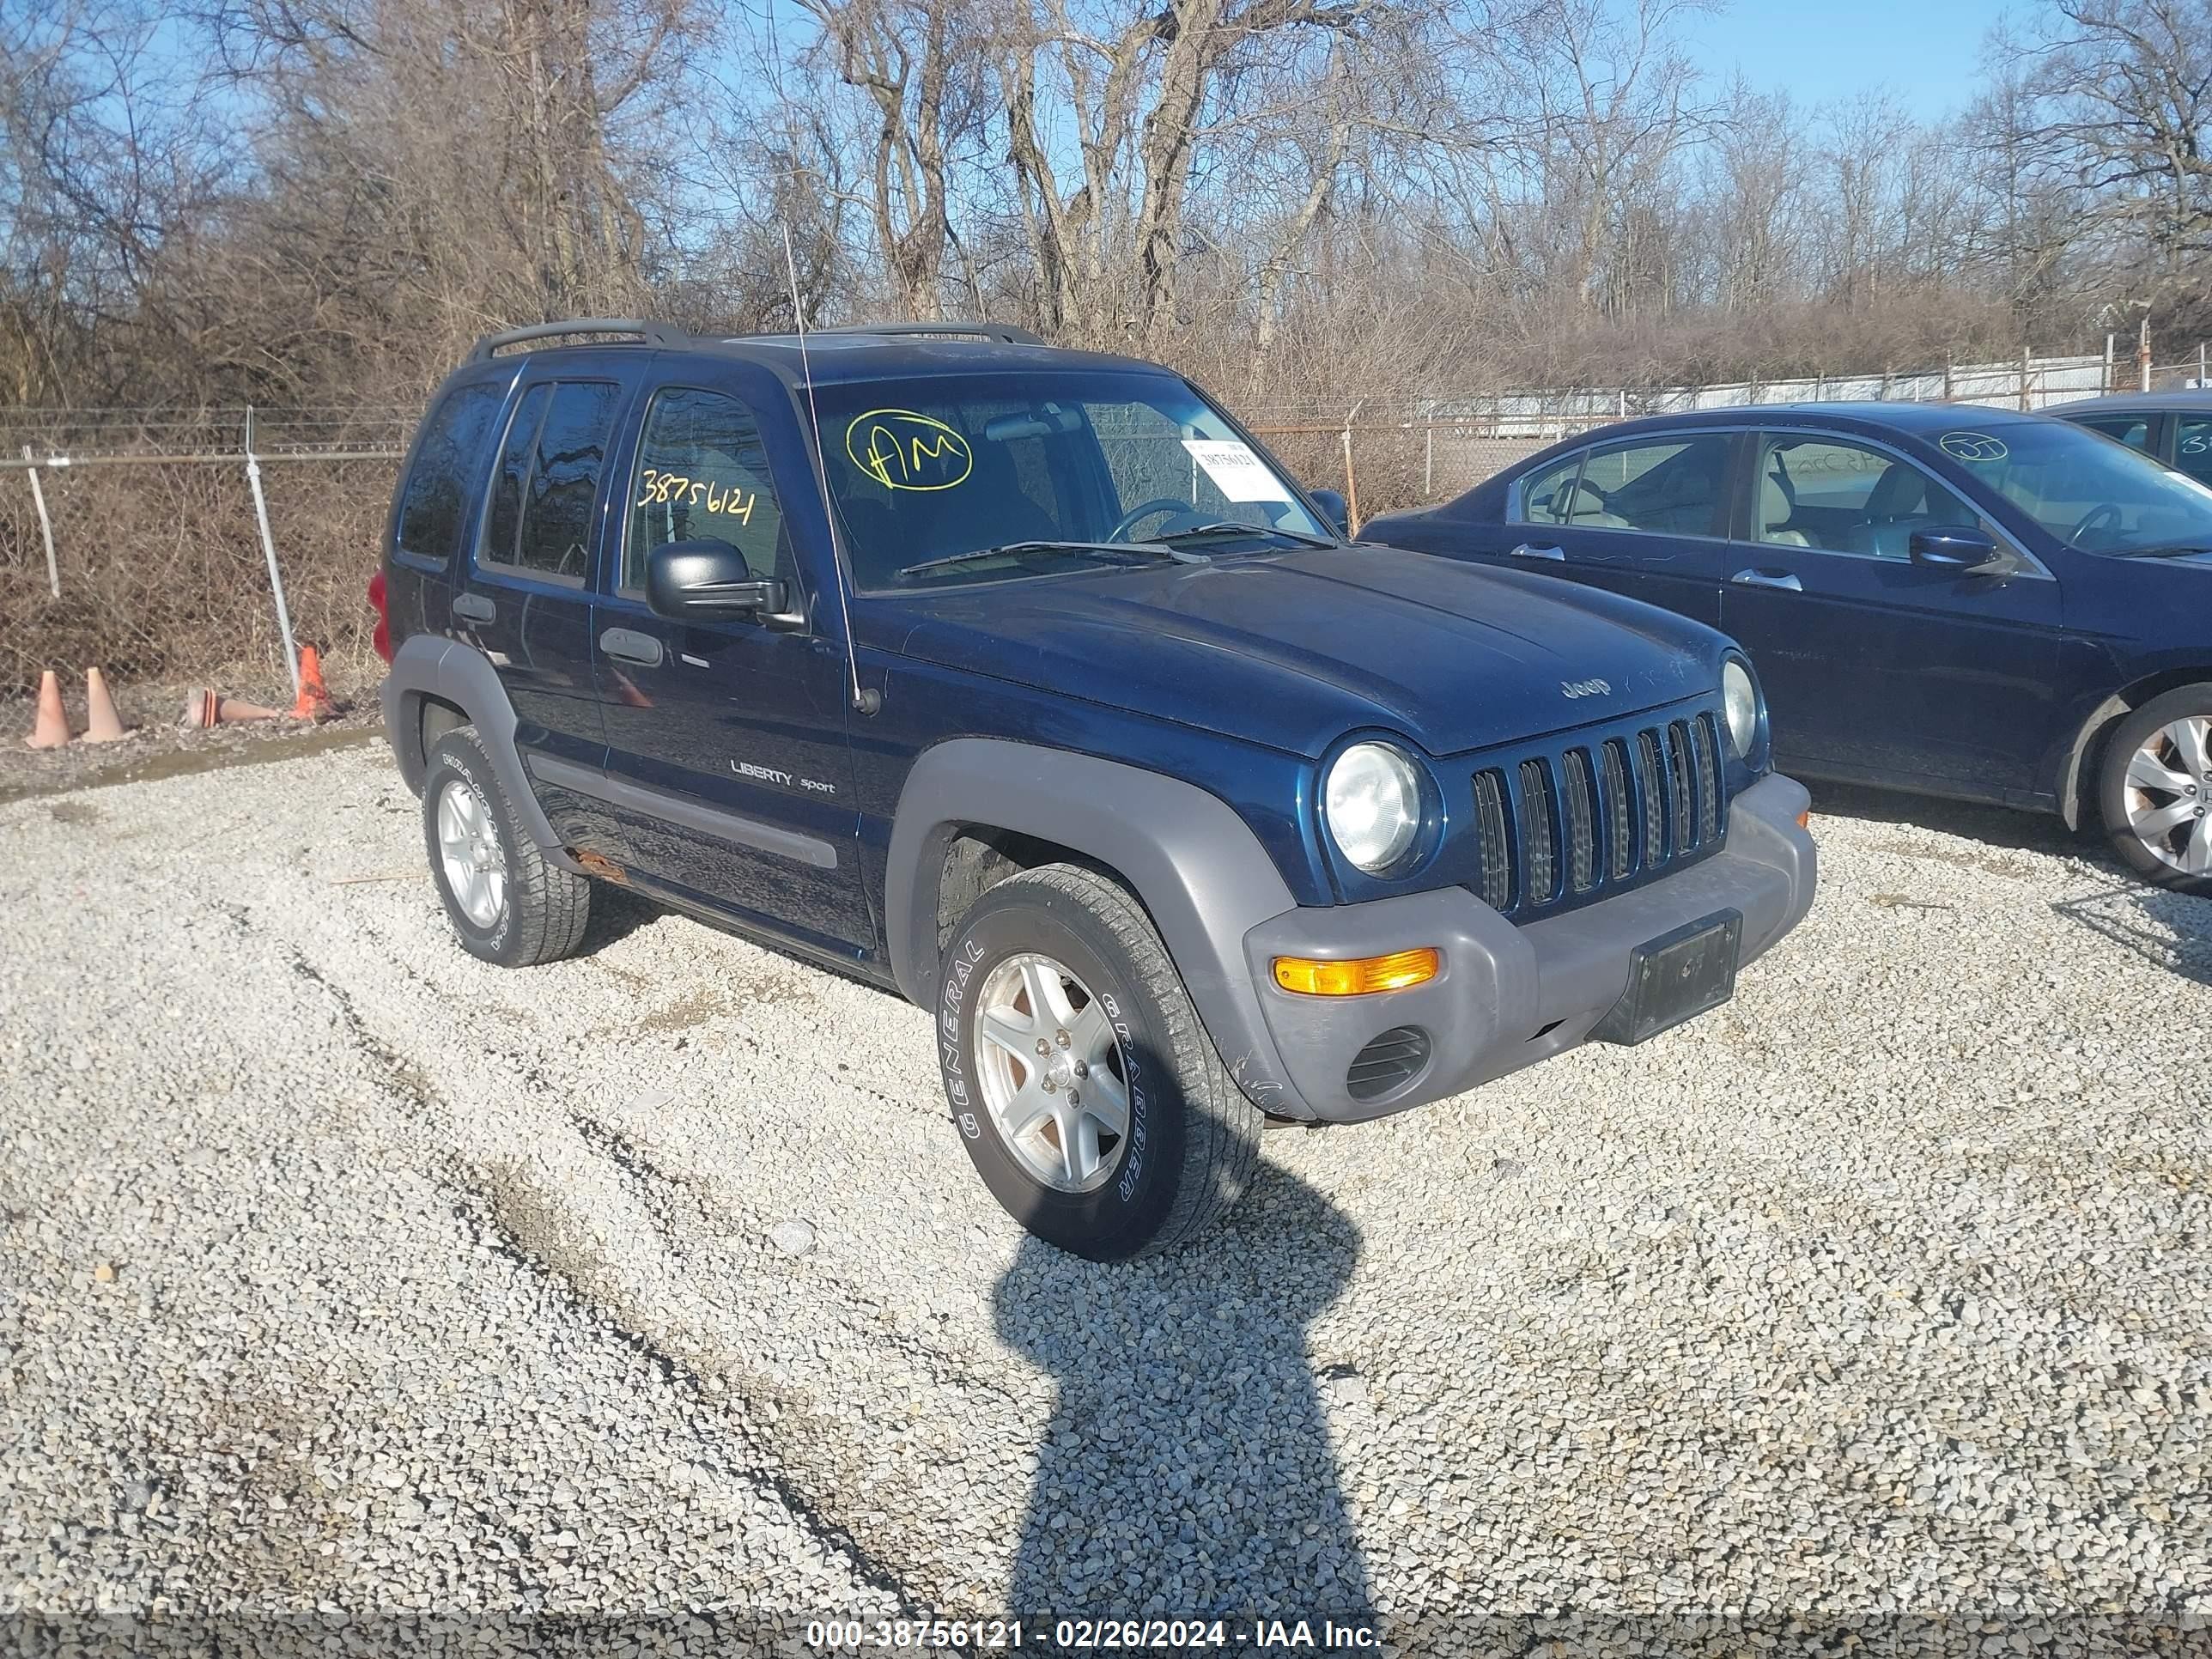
(1188, 1468)
(2171, 931)
(1995, 826)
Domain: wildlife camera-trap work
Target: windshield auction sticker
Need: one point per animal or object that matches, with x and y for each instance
(1972, 447)
(1236, 472)
(902, 450)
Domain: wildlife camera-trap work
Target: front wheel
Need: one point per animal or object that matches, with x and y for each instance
(1089, 1096)
(2157, 786)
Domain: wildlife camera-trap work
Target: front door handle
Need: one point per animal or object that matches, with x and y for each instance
(474, 607)
(628, 645)
(1525, 551)
(1781, 579)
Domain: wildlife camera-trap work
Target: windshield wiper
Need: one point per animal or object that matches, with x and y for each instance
(1142, 549)
(1228, 527)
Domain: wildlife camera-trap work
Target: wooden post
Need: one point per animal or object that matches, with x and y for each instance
(1947, 383)
(46, 527)
(2025, 360)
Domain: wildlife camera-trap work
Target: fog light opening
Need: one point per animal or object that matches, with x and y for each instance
(1360, 976)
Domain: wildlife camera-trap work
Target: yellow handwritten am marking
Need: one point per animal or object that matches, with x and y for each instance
(901, 449)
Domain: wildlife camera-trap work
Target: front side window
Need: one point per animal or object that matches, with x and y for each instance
(702, 475)
(1846, 497)
(2095, 496)
(433, 506)
(547, 480)
(955, 479)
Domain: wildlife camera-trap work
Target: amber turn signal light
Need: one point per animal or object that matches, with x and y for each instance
(1805, 819)
(1356, 978)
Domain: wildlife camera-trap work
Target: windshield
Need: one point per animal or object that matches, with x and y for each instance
(1064, 472)
(2089, 491)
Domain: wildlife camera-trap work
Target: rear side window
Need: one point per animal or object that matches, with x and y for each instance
(449, 455)
(2133, 431)
(549, 479)
(1671, 487)
(702, 474)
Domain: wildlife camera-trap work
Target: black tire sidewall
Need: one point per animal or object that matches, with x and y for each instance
(2112, 785)
(458, 755)
(1119, 1219)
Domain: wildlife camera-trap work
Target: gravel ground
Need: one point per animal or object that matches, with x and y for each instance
(343, 1275)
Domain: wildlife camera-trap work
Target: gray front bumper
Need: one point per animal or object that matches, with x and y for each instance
(1509, 996)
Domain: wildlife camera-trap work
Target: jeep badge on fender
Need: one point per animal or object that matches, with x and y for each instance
(1025, 683)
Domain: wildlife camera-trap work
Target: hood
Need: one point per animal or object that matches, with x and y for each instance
(1295, 650)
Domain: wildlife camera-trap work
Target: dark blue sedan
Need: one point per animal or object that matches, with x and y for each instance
(1952, 600)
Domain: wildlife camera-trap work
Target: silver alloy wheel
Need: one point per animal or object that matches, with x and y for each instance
(1054, 1078)
(468, 845)
(2169, 784)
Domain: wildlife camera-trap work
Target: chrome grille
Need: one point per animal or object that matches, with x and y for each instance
(1573, 822)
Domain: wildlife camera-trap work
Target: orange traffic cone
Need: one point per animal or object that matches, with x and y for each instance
(101, 723)
(208, 707)
(50, 729)
(313, 702)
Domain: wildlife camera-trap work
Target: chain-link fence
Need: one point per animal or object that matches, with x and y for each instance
(132, 538)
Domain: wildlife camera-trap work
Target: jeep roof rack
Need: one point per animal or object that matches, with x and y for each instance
(1004, 333)
(648, 333)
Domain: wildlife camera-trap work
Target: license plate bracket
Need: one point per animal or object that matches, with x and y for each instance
(1675, 978)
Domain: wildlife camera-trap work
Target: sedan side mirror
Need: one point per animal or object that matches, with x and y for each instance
(1961, 549)
(1333, 509)
(706, 580)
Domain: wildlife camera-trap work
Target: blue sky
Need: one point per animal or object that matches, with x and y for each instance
(1928, 52)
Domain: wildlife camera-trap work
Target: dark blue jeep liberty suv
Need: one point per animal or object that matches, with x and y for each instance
(1023, 682)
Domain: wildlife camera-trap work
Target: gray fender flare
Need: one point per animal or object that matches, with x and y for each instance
(431, 665)
(1196, 868)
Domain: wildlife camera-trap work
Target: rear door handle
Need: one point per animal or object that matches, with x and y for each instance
(628, 645)
(1781, 579)
(1525, 551)
(475, 608)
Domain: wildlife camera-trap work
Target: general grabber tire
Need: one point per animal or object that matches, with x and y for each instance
(507, 903)
(2155, 787)
(1087, 1091)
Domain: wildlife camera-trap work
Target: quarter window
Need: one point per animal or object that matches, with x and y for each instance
(547, 480)
(1547, 497)
(450, 450)
(702, 474)
(1846, 498)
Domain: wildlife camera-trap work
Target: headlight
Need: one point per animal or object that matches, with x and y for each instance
(1739, 701)
(1373, 800)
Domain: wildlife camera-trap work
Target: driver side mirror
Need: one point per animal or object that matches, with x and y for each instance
(706, 580)
(1333, 509)
(1960, 550)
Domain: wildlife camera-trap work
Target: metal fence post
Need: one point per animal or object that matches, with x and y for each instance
(46, 527)
(2106, 386)
(2025, 371)
(1351, 476)
(268, 553)
(2142, 353)
(1429, 462)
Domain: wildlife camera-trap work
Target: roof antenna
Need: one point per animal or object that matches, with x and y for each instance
(864, 701)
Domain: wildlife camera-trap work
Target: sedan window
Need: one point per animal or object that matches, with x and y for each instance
(2091, 495)
(2192, 448)
(1846, 497)
(1670, 486)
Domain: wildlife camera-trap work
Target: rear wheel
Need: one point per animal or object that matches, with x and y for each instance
(2157, 786)
(1088, 1094)
(507, 903)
